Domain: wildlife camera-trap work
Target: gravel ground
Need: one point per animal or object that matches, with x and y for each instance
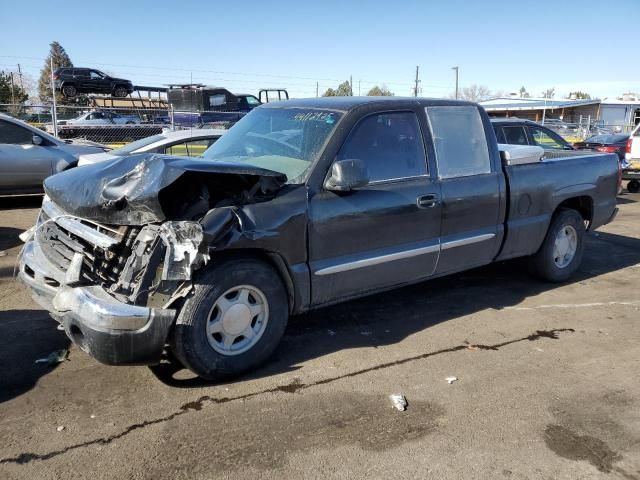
(547, 387)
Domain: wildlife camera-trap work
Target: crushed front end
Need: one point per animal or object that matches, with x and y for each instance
(116, 245)
(111, 287)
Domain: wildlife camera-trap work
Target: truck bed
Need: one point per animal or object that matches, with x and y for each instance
(536, 189)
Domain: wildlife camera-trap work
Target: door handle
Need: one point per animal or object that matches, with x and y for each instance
(428, 201)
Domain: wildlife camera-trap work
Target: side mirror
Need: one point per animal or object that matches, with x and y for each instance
(37, 140)
(347, 175)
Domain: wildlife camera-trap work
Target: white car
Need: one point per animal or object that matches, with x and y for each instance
(97, 117)
(631, 171)
(190, 143)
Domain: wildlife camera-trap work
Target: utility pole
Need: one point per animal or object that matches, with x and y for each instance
(13, 98)
(20, 75)
(54, 117)
(415, 89)
(456, 69)
(358, 87)
(317, 88)
(351, 84)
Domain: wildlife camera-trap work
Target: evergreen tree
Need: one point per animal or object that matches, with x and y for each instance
(10, 90)
(58, 56)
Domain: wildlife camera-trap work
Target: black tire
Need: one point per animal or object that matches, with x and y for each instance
(120, 92)
(69, 91)
(542, 264)
(633, 186)
(189, 340)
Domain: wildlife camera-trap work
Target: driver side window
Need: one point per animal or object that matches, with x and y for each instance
(14, 134)
(545, 140)
(390, 144)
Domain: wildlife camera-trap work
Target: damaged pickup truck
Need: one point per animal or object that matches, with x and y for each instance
(300, 205)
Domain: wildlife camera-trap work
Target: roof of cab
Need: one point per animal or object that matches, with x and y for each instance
(350, 103)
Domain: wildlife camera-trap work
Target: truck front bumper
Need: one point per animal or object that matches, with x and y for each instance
(111, 331)
(631, 174)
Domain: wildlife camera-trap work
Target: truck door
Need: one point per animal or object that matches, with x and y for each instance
(385, 233)
(471, 188)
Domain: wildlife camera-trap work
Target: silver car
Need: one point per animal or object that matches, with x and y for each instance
(97, 117)
(190, 143)
(28, 156)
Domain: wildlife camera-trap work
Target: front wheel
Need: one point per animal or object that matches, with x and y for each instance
(69, 91)
(233, 321)
(561, 252)
(120, 92)
(633, 186)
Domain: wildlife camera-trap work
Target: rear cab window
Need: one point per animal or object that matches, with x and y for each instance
(460, 141)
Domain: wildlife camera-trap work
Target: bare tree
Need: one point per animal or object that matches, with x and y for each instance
(474, 93)
(549, 93)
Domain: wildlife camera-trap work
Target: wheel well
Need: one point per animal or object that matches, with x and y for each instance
(272, 259)
(583, 205)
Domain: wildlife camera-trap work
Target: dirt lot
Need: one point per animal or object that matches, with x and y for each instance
(547, 388)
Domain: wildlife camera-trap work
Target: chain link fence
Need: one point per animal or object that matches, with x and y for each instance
(116, 126)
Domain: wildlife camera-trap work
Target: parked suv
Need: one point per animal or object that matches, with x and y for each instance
(71, 81)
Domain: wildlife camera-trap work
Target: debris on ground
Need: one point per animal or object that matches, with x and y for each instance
(3, 253)
(399, 401)
(471, 346)
(92, 416)
(331, 332)
(53, 358)
(366, 333)
(450, 380)
(60, 428)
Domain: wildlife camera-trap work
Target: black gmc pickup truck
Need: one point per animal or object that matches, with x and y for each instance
(301, 204)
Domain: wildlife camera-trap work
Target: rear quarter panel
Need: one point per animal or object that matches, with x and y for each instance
(537, 189)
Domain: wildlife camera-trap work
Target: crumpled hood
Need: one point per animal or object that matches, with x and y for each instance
(126, 191)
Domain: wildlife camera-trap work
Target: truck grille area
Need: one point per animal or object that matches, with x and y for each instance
(101, 266)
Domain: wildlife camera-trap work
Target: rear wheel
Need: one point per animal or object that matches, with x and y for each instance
(633, 186)
(120, 92)
(561, 252)
(69, 91)
(234, 320)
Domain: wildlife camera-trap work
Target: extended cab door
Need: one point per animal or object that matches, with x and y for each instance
(471, 183)
(387, 232)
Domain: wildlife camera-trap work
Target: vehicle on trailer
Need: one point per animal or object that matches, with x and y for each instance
(198, 104)
(301, 204)
(189, 143)
(28, 156)
(101, 117)
(631, 170)
(71, 81)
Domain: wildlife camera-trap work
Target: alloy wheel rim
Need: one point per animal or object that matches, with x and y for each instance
(565, 246)
(237, 320)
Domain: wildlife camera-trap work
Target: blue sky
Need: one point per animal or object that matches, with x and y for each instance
(247, 45)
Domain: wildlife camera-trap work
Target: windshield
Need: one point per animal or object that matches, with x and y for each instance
(285, 140)
(133, 146)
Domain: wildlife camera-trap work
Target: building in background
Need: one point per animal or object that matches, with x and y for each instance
(607, 112)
